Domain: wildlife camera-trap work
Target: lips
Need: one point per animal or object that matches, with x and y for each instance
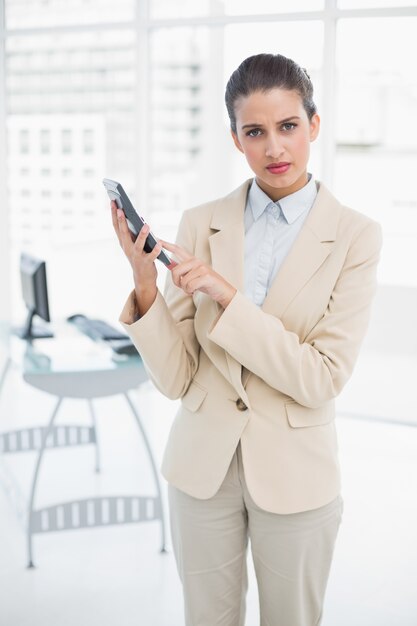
(278, 168)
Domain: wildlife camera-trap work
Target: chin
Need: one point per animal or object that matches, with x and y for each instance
(279, 182)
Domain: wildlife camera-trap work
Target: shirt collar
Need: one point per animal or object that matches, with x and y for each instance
(292, 206)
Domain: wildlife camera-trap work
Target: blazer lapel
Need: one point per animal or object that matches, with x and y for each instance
(227, 256)
(227, 241)
(312, 246)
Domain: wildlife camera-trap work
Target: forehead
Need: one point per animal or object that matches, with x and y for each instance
(279, 103)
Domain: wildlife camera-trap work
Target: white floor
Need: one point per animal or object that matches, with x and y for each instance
(116, 575)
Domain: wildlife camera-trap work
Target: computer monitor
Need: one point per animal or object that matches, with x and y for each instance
(35, 296)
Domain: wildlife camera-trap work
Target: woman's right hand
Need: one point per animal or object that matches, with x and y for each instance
(142, 263)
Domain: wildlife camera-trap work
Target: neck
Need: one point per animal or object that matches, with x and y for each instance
(278, 193)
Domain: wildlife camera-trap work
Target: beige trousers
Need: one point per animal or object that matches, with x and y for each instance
(292, 555)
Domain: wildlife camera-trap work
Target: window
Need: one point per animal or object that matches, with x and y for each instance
(204, 8)
(377, 135)
(45, 141)
(33, 13)
(24, 141)
(364, 4)
(66, 141)
(88, 141)
(83, 103)
(179, 115)
(236, 7)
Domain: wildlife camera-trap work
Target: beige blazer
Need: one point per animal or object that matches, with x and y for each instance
(266, 376)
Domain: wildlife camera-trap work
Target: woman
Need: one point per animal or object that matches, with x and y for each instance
(257, 333)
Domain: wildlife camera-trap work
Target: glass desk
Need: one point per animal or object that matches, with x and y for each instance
(75, 367)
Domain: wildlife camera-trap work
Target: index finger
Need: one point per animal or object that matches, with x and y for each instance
(179, 252)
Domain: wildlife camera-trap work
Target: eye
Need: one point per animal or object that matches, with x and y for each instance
(289, 126)
(254, 132)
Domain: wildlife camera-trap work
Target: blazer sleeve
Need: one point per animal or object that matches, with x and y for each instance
(315, 371)
(165, 336)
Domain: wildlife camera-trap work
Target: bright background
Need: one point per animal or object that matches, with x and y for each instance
(137, 95)
(134, 90)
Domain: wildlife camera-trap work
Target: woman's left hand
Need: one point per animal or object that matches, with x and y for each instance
(192, 274)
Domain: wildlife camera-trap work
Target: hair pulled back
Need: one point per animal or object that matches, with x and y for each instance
(263, 72)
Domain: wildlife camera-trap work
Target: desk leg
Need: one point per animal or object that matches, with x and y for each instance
(94, 422)
(48, 429)
(153, 466)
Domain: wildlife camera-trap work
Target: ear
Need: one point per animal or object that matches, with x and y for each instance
(236, 141)
(314, 126)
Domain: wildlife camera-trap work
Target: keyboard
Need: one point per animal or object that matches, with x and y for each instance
(96, 329)
(123, 346)
(99, 330)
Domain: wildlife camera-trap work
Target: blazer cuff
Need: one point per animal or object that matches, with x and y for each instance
(130, 314)
(228, 319)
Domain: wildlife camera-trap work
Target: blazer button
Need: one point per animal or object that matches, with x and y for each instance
(241, 405)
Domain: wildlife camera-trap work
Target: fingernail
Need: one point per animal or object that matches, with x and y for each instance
(119, 213)
(146, 228)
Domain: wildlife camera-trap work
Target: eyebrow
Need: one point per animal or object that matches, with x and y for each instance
(287, 119)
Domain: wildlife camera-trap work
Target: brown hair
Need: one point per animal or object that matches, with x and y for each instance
(263, 72)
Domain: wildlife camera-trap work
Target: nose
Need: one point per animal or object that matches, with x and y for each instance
(274, 147)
